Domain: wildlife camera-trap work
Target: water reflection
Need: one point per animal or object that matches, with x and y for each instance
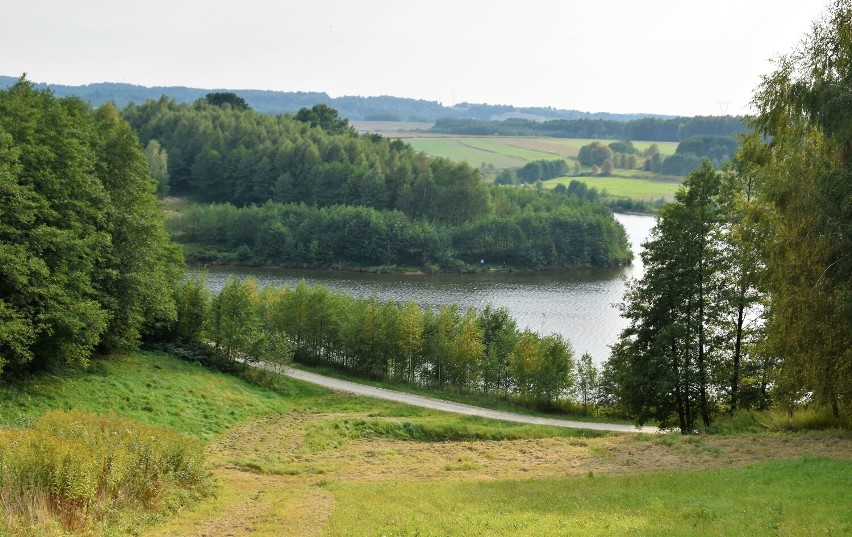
(579, 305)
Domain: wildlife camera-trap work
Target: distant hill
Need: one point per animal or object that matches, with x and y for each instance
(383, 108)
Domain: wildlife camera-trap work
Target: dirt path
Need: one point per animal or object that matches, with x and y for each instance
(457, 408)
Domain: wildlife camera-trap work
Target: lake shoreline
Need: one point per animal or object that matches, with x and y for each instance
(402, 271)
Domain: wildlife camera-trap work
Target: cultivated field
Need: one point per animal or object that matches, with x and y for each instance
(501, 152)
(636, 187)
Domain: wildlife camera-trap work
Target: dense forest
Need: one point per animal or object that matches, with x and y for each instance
(646, 129)
(85, 261)
(332, 197)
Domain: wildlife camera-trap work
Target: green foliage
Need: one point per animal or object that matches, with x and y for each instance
(240, 156)
(541, 170)
(467, 352)
(719, 149)
(531, 229)
(324, 117)
(158, 165)
(234, 323)
(669, 361)
(355, 200)
(800, 152)
(650, 129)
(226, 98)
(623, 146)
(78, 469)
(594, 154)
(587, 381)
(680, 164)
(192, 301)
(86, 261)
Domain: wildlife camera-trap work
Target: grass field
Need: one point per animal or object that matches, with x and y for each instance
(292, 459)
(636, 187)
(508, 151)
(810, 496)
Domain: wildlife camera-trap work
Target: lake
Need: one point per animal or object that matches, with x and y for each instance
(580, 305)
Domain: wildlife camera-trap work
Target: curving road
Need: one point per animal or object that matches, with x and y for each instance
(448, 406)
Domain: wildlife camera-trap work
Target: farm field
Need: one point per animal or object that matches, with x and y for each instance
(636, 187)
(476, 150)
(292, 459)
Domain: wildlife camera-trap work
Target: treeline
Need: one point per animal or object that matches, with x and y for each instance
(446, 349)
(86, 264)
(378, 108)
(646, 129)
(690, 153)
(537, 230)
(228, 154)
(746, 299)
(529, 173)
(333, 197)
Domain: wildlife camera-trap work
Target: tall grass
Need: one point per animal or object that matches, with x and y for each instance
(777, 420)
(73, 469)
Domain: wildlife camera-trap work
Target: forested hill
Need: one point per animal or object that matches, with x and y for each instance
(380, 108)
(656, 129)
(332, 196)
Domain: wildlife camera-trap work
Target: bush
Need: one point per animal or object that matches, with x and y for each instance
(74, 469)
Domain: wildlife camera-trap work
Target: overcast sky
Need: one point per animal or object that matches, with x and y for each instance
(682, 57)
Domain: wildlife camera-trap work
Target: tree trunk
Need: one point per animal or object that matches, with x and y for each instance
(735, 374)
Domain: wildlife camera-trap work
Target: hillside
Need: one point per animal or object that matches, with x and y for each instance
(290, 459)
(379, 108)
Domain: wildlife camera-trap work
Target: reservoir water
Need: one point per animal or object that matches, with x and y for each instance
(580, 305)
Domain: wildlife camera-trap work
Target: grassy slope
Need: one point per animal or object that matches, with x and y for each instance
(149, 387)
(300, 460)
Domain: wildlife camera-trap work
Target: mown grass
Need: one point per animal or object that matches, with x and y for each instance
(287, 455)
(508, 146)
(459, 150)
(629, 187)
(806, 496)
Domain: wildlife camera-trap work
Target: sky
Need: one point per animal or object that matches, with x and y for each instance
(677, 57)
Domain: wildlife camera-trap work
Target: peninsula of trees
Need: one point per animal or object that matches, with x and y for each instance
(310, 191)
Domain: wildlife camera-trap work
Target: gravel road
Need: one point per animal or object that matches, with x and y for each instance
(458, 408)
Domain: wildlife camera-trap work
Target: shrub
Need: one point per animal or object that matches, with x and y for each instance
(75, 469)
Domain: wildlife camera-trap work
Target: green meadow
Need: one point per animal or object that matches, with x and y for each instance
(636, 187)
(285, 458)
(804, 496)
(509, 151)
(503, 152)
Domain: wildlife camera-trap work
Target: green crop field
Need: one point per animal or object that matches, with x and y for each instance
(636, 187)
(498, 152)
